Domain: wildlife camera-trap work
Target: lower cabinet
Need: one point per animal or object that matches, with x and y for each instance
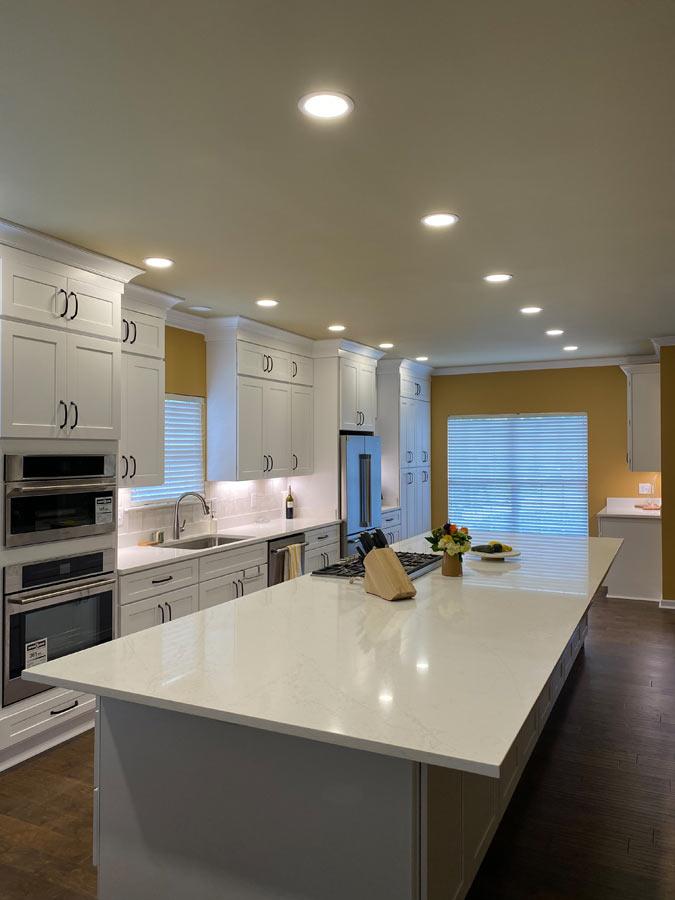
(233, 585)
(157, 610)
(321, 557)
(415, 497)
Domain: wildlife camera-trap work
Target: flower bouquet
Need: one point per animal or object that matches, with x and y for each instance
(453, 541)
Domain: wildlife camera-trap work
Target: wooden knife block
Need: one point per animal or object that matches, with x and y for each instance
(386, 577)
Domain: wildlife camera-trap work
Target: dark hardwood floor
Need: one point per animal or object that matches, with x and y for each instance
(593, 816)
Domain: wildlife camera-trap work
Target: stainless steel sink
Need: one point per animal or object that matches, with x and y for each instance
(205, 542)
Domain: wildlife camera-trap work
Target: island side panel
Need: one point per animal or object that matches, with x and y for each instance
(192, 807)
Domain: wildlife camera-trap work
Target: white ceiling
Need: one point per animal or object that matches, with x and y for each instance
(171, 128)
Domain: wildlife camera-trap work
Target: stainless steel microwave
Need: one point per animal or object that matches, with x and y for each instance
(58, 497)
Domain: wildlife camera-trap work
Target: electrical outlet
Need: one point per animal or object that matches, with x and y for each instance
(646, 488)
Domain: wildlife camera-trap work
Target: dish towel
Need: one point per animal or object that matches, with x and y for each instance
(293, 562)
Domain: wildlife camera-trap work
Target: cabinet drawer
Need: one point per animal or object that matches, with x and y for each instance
(158, 580)
(317, 537)
(43, 715)
(391, 518)
(226, 561)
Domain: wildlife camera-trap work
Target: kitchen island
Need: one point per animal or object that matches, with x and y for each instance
(311, 741)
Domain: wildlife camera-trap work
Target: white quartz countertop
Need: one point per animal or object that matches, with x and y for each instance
(447, 678)
(624, 507)
(134, 559)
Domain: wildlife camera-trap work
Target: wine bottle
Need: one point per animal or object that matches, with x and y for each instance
(290, 504)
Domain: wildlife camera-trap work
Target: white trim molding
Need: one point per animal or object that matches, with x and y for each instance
(22, 238)
(147, 299)
(548, 364)
(659, 342)
(176, 318)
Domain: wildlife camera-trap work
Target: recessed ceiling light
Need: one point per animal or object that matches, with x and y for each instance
(326, 105)
(200, 308)
(555, 332)
(267, 301)
(336, 327)
(386, 346)
(439, 220)
(530, 310)
(570, 347)
(158, 262)
(497, 277)
(421, 358)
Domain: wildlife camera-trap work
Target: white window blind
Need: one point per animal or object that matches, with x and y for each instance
(183, 451)
(522, 473)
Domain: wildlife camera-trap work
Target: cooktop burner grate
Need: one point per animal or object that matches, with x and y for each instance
(415, 564)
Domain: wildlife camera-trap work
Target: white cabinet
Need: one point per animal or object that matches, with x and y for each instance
(232, 586)
(636, 571)
(321, 557)
(142, 333)
(93, 387)
(644, 417)
(33, 391)
(302, 370)
(58, 385)
(424, 501)
(358, 394)
(263, 362)
(408, 431)
(142, 441)
(157, 610)
(44, 292)
(180, 603)
(302, 429)
(263, 429)
(422, 444)
(415, 495)
(415, 388)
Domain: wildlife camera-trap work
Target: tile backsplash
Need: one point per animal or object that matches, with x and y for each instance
(232, 502)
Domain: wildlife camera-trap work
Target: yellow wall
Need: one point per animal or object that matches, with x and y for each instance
(185, 363)
(600, 392)
(667, 357)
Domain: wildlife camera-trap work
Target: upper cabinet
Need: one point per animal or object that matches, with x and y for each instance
(58, 385)
(415, 387)
(44, 292)
(142, 334)
(644, 417)
(358, 393)
(260, 421)
(142, 440)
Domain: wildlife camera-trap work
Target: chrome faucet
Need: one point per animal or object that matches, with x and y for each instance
(177, 527)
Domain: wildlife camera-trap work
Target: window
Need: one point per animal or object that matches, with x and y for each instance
(522, 473)
(183, 451)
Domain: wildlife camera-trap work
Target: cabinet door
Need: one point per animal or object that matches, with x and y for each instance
(252, 580)
(263, 362)
(302, 429)
(33, 381)
(409, 495)
(314, 559)
(142, 334)
(141, 615)
(250, 464)
(423, 502)
(302, 370)
(349, 420)
(424, 390)
(218, 590)
(277, 428)
(95, 309)
(366, 396)
(181, 603)
(422, 416)
(407, 431)
(94, 387)
(142, 421)
(32, 293)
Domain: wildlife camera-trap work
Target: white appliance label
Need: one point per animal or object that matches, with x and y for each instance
(104, 510)
(36, 652)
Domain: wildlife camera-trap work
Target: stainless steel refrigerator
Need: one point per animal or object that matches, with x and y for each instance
(361, 487)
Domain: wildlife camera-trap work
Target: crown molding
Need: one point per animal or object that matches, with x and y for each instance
(22, 238)
(659, 342)
(339, 346)
(176, 318)
(395, 366)
(219, 328)
(548, 364)
(149, 300)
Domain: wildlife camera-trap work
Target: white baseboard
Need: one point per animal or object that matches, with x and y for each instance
(667, 604)
(641, 599)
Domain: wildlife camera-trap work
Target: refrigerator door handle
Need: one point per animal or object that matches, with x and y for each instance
(364, 486)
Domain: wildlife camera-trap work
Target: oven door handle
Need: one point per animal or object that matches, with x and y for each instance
(76, 593)
(59, 488)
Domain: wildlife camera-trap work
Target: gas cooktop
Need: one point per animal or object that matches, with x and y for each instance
(415, 564)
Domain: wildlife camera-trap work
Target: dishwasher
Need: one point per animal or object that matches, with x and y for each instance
(276, 556)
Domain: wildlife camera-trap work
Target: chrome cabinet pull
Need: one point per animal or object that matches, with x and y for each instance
(77, 305)
(65, 311)
(65, 414)
(161, 609)
(58, 712)
(74, 406)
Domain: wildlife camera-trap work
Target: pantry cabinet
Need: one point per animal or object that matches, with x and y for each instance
(302, 429)
(142, 432)
(59, 385)
(415, 492)
(358, 394)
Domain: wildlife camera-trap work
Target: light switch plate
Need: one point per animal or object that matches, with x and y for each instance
(646, 488)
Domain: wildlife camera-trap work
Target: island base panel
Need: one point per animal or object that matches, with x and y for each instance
(193, 807)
